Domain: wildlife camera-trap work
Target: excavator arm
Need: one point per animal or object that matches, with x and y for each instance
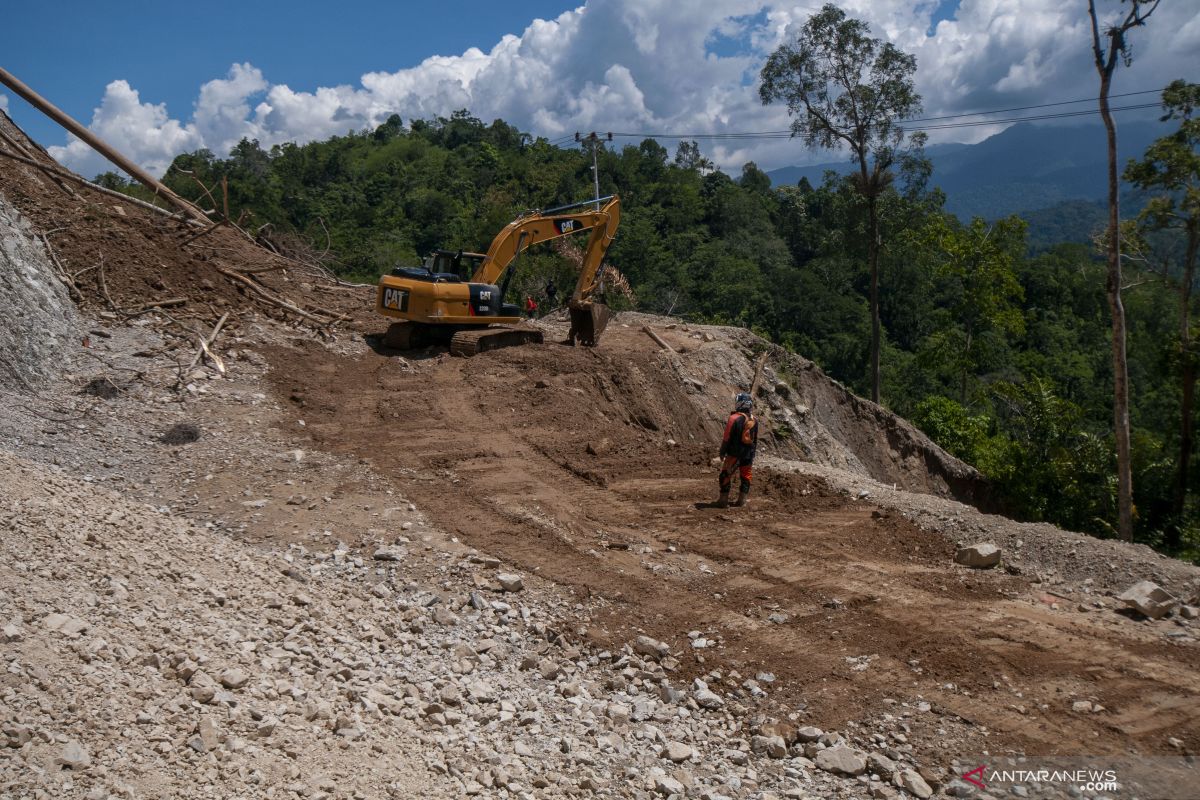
(597, 246)
(589, 314)
(543, 226)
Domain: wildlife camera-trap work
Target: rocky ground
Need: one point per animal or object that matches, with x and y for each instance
(158, 645)
(194, 604)
(149, 654)
(302, 566)
(1058, 559)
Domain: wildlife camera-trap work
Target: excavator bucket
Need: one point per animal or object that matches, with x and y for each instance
(589, 322)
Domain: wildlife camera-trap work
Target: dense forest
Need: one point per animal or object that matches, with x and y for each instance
(1001, 356)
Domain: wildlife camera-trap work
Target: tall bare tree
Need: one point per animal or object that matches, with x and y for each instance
(843, 87)
(1109, 48)
(1171, 169)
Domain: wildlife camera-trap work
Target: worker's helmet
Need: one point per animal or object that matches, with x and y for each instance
(743, 402)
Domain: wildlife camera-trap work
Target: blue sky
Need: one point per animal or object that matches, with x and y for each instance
(945, 9)
(159, 78)
(69, 51)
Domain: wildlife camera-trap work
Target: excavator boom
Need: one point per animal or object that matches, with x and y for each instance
(589, 315)
(542, 226)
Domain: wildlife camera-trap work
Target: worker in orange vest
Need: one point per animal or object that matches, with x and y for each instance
(737, 449)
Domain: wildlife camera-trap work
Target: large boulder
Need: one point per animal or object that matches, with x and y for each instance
(1149, 599)
(771, 746)
(842, 760)
(914, 784)
(978, 556)
(651, 648)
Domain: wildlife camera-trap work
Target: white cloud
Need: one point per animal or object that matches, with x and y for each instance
(223, 107)
(651, 66)
(142, 131)
(3, 102)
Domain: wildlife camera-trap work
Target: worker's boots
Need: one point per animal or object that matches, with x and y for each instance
(723, 500)
(743, 493)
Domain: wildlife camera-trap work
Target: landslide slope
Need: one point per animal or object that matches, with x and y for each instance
(275, 480)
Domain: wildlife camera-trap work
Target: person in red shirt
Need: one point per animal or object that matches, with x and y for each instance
(530, 306)
(737, 450)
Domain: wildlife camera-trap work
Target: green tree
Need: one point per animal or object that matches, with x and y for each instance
(959, 432)
(843, 87)
(754, 179)
(975, 266)
(689, 157)
(1171, 170)
(1052, 468)
(390, 129)
(1106, 57)
(111, 180)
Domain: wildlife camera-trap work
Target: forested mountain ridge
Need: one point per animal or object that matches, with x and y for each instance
(1001, 357)
(1025, 168)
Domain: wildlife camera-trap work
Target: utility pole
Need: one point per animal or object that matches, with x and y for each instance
(593, 138)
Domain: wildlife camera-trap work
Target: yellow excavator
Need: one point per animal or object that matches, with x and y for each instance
(461, 296)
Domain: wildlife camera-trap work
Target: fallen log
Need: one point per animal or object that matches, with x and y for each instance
(63, 275)
(658, 339)
(758, 372)
(171, 303)
(272, 299)
(206, 344)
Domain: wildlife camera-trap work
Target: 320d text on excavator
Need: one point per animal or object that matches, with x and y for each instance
(460, 296)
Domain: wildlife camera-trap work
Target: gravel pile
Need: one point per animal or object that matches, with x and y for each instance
(149, 656)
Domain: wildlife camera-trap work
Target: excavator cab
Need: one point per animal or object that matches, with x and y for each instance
(443, 266)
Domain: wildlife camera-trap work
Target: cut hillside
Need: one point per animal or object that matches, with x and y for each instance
(809, 416)
(305, 566)
(42, 321)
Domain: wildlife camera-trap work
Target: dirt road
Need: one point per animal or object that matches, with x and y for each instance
(585, 466)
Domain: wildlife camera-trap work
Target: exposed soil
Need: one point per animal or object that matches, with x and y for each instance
(121, 256)
(496, 450)
(832, 600)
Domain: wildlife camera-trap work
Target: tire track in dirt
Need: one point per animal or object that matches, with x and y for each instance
(495, 450)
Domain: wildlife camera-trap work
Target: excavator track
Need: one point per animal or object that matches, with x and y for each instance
(401, 336)
(470, 343)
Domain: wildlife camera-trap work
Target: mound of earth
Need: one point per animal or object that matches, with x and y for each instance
(122, 259)
(808, 416)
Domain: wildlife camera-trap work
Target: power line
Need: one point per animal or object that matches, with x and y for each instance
(1059, 115)
(1040, 105)
(786, 134)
